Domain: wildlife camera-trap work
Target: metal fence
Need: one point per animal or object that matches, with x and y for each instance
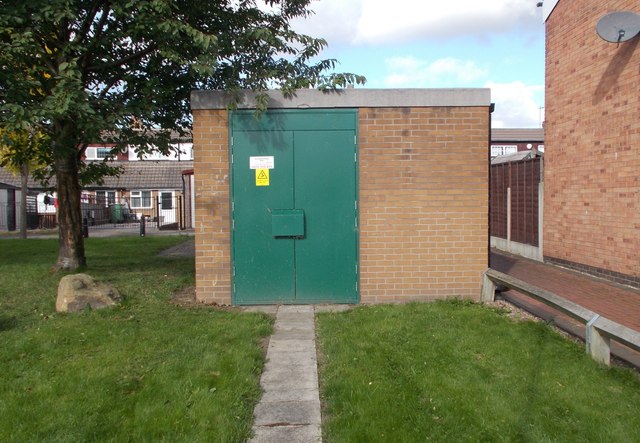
(164, 212)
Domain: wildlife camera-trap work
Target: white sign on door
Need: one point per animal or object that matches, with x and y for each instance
(261, 162)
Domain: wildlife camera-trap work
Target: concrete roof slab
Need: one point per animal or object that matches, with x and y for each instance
(348, 98)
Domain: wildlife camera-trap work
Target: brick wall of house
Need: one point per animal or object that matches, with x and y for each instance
(423, 202)
(592, 140)
(211, 180)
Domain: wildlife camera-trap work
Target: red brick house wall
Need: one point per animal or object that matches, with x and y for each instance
(592, 140)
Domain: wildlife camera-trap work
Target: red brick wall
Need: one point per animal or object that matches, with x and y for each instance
(592, 142)
(423, 202)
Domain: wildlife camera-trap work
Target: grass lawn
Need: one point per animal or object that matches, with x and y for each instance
(147, 370)
(458, 371)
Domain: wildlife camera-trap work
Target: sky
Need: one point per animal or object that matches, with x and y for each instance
(497, 44)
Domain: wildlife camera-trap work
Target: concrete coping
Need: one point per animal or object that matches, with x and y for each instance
(599, 330)
(347, 98)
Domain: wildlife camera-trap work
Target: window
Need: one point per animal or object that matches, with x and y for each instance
(140, 199)
(97, 152)
(102, 153)
(105, 198)
(166, 200)
(497, 150)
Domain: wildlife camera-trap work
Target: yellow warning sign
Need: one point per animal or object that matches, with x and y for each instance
(262, 177)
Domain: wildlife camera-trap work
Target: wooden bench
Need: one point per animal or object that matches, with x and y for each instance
(599, 330)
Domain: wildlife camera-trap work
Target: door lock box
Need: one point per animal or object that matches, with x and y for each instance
(287, 223)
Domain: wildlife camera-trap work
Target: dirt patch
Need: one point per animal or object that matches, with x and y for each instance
(264, 345)
(185, 249)
(186, 297)
(518, 314)
(513, 312)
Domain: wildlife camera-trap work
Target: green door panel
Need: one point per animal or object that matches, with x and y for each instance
(294, 238)
(263, 266)
(325, 187)
(294, 120)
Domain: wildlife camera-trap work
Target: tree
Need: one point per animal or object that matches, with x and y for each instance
(16, 148)
(99, 65)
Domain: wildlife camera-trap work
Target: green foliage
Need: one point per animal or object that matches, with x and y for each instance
(457, 371)
(122, 71)
(147, 370)
(17, 149)
(84, 71)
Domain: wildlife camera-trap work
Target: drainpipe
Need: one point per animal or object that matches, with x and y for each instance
(184, 194)
(492, 108)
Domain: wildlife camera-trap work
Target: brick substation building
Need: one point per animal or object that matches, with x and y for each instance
(357, 196)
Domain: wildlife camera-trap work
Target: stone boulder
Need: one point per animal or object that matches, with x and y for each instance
(77, 291)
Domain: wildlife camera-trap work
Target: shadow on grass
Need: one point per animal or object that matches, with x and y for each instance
(531, 388)
(7, 323)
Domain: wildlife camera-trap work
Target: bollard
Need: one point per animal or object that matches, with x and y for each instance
(598, 345)
(488, 293)
(142, 226)
(85, 227)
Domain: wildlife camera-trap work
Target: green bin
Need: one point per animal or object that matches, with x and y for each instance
(116, 213)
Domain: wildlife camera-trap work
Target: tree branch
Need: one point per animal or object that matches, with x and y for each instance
(119, 62)
(106, 90)
(85, 27)
(99, 29)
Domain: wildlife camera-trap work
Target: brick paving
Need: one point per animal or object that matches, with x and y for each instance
(618, 303)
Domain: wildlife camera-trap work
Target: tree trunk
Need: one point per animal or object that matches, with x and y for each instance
(71, 252)
(24, 182)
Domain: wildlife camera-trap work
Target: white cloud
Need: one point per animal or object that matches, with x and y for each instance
(333, 20)
(399, 27)
(381, 21)
(516, 105)
(445, 72)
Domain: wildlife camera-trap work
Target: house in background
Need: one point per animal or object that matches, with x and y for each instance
(154, 187)
(592, 139)
(505, 141)
(159, 191)
(151, 186)
(182, 151)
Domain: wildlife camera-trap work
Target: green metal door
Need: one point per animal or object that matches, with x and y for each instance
(263, 268)
(294, 207)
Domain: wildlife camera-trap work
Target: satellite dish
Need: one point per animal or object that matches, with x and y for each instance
(618, 27)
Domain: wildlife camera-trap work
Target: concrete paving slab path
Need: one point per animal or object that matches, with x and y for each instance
(289, 410)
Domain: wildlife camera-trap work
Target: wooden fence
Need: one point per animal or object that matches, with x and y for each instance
(516, 202)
